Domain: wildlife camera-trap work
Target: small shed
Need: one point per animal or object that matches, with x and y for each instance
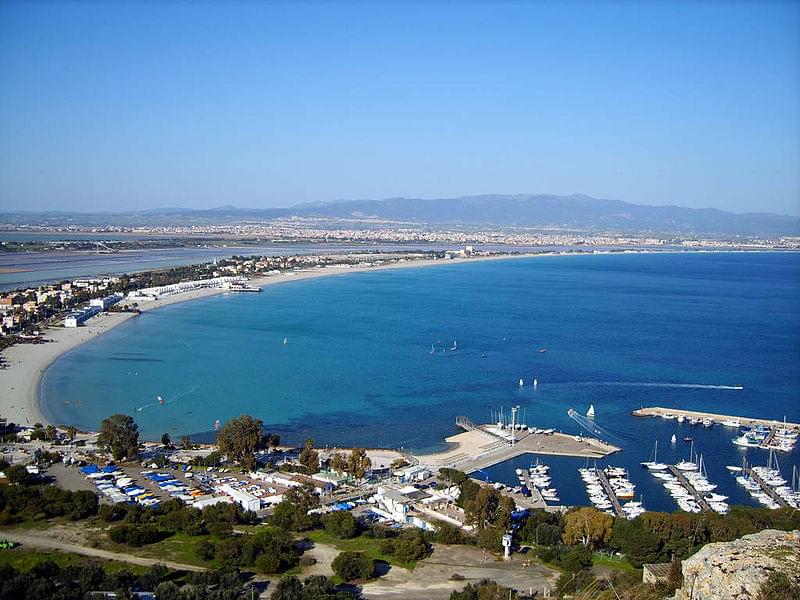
(655, 572)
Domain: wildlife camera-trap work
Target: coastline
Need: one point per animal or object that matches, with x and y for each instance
(20, 401)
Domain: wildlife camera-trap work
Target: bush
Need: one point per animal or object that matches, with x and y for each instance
(268, 563)
(136, 535)
(342, 524)
(449, 534)
(352, 566)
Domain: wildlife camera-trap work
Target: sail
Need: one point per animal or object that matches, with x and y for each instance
(590, 412)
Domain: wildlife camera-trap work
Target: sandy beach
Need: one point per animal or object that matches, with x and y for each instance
(27, 363)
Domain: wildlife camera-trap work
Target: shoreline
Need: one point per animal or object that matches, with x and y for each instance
(20, 398)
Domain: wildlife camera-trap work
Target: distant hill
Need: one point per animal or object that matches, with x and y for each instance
(577, 212)
(568, 212)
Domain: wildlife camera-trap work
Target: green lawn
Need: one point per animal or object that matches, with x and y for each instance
(24, 560)
(179, 548)
(369, 546)
(604, 560)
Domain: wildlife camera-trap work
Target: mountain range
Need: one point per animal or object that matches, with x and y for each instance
(577, 212)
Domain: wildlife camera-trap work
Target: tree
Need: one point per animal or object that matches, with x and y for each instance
(120, 435)
(341, 523)
(239, 438)
(165, 439)
(587, 526)
(288, 588)
(309, 457)
(338, 463)
(50, 433)
(358, 463)
(186, 442)
(484, 590)
(351, 566)
(490, 508)
(72, 431)
(292, 513)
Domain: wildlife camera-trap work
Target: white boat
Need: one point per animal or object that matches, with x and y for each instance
(673, 439)
(590, 412)
(734, 469)
(285, 341)
(535, 382)
(654, 465)
(707, 422)
(455, 346)
(732, 423)
(521, 383)
(686, 465)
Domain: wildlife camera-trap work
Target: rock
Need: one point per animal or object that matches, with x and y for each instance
(736, 570)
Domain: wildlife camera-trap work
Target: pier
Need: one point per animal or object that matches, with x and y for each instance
(690, 488)
(767, 489)
(536, 496)
(612, 495)
(479, 447)
(658, 411)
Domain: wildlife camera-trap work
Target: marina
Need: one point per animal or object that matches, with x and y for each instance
(684, 482)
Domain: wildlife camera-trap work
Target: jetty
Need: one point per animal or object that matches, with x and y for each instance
(483, 446)
(658, 411)
(537, 500)
(701, 502)
(767, 489)
(612, 495)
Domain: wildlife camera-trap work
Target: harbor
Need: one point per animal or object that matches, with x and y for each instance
(674, 413)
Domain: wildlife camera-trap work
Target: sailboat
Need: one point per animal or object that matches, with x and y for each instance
(455, 347)
(535, 383)
(654, 465)
(590, 412)
(285, 341)
(160, 400)
(673, 439)
(216, 425)
(521, 383)
(433, 349)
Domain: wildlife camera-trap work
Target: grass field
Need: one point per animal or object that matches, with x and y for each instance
(179, 548)
(604, 560)
(24, 560)
(369, 546)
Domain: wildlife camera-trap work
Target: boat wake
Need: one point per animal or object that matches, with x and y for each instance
(161, 402)
(696, 386)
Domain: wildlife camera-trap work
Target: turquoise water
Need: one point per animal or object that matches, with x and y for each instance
(357, 367)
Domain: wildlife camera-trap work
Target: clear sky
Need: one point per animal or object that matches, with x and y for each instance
(124, 105)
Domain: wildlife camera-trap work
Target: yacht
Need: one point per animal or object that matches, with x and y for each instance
(654, 465)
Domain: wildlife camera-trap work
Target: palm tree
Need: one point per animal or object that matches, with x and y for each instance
(72, 431)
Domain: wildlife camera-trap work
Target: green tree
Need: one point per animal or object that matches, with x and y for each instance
(50, 433)
(292, 514)
(484, 590)
(358, 463)
(166, 440)
(352, 566)
(72, 431)
(120, 435)
(240, 438)
(338, 463)
(186, 442)
(309, 457)
(341, 523)
(587, 526)
(490, 509)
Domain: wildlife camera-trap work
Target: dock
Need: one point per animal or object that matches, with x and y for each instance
(612, 495)
(479, 447)
(536, 495)
(690, 488)
(659, 411)
(767, 489)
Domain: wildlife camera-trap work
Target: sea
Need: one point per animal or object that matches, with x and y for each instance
(391, 358)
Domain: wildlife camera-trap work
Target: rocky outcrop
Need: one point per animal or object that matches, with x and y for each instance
(736, 570)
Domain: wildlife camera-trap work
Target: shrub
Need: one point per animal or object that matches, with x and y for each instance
(351, 566)
(268, 563)
(342, 524)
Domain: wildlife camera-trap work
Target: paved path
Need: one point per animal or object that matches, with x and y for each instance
(40, 540)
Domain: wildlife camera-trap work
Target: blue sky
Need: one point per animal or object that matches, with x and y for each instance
(127, 105)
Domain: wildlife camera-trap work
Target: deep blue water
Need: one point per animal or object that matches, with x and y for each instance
(357, 368)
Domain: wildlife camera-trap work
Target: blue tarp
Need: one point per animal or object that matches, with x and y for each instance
(109, 469)
(89, 469)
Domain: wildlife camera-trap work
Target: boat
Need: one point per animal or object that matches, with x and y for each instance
(673, 439)
(590, 412)
(668, 416)
(521, 383)
(681, 418)
(535, 382)
(732, 423)
(734, 469)
(160, 400)
(688, 439)
(433, 348)
(654, 465)
(455, 347)
(285, 341)
(542, 350)
(707, 422)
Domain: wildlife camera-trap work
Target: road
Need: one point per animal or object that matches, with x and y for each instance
(40, 540)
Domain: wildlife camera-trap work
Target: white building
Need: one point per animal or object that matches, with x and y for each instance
(107, 302)
(79, 317)
(245, 499)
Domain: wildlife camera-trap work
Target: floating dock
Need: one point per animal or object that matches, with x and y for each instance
(767, 489)
(612, 495)
(658, 411)
(704, 506)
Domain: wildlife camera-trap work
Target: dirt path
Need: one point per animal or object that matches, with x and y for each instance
(41, 540)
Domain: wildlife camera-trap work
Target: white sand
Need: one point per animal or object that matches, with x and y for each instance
(26, 363)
